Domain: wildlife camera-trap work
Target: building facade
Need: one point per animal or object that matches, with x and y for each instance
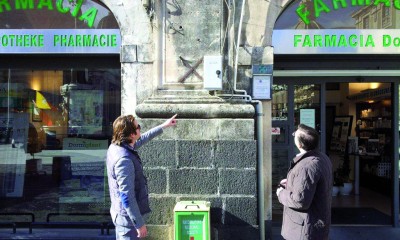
(67, 76)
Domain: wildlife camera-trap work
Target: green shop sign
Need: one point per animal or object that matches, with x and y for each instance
(335, 41)
(312, 9)
(338, 27)
(88, 16)
(54, 41)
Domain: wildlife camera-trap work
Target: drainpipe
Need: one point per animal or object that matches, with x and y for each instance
(260, 163)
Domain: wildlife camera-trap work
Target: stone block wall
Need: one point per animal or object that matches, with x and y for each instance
(219, 170)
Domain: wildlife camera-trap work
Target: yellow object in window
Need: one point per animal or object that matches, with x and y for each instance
(41, 101)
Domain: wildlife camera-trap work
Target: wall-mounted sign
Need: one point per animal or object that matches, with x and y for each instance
(262, 81)
(53, 41)
(262, 86)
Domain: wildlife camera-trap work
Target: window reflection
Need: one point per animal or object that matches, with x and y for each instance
(307, 105)
(55, 127)
(279, 102)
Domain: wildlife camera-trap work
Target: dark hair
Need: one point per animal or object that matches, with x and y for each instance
(123, 127)
(308, 137)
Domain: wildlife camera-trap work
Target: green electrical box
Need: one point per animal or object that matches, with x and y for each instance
(192, 220)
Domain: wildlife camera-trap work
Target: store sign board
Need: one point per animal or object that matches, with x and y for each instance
(60, 41)
(337, 41)
(309, 10)
(338, 27)
(77, 8)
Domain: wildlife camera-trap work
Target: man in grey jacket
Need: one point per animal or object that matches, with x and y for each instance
(307, 190)
(126, 180)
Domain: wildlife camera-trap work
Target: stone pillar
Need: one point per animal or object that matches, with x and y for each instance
(137, 53)
(210, 155)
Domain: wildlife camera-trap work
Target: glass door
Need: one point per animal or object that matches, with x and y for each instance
(363, 108)
(292, 104)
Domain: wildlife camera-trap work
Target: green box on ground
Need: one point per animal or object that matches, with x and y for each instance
(192, 220)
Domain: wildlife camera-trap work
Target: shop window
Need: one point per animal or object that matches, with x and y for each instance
(332, 86)
(279, 102)
(55, 128)
(56, 120)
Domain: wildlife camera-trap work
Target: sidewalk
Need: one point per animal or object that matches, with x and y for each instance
(51, 234)
(353, 232)
(337, 233)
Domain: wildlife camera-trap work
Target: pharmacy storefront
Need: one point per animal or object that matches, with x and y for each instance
(60, 90)
(336, 69)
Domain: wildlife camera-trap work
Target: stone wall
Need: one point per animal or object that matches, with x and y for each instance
(218, 170)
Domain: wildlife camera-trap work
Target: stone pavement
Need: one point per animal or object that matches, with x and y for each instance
(337, 233)
(353, 233)
(52, 234)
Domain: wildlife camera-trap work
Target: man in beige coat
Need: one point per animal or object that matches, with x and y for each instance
(307, 190)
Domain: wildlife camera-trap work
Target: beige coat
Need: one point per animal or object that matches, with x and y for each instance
(307, 197)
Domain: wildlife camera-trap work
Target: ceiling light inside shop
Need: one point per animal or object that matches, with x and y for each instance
(374, 85)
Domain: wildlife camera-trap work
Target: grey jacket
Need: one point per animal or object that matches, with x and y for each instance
(307, 197)
(127, 183)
